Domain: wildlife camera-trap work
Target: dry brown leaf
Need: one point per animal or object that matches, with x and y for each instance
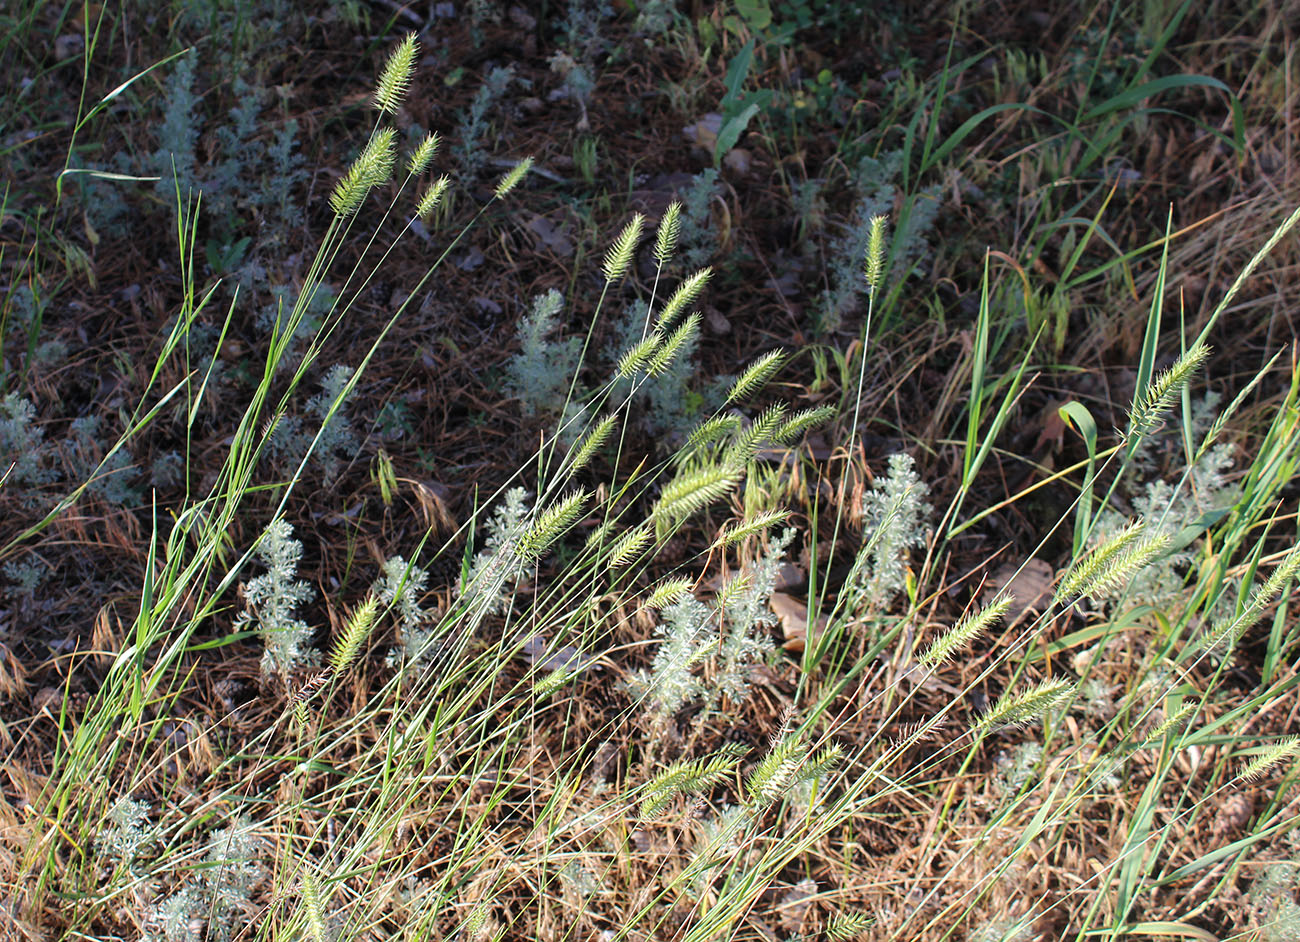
(793, 618)
(1031, 588)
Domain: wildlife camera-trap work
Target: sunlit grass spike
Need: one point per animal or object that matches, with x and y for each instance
(732, 535)
(1276, 754)
(1171, 724)
(371, 169)
(685, 294)
(712, 430)
(511, 179)
(1158, 397)
(873, 263)
(640, 355)
(801, 422)
(668, 592)
(746, 445)
(432, 197)
(679, 338)
(669, 227)
(550, 683)
(582, 455)
(423, 154)
(1087, 569)
(396, 76)
(756, 375)
(629, 545)
(355, 632)
(553, 522)
(846, 926)
(1021, 709)
(311, 902)
(694, 490)
(619, 256)
(960, 636)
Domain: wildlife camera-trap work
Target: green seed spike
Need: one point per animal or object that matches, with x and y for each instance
(627, 548)
(959, 637)
(619, 256)
(746, 528)
(873, 263)
(686, 292)
(554, 522)
(1280, 752)
(432, 197)
(592, 443)
(512, 178)
(679, 338)
(423, 155)
(1160, 392)
(391, 87)
(372, 168)
(666, 238)
(756, 375)
(355, 632)
(1021, 709)
(668, 592)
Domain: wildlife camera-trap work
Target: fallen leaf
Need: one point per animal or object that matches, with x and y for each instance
(794, 904)
(1233, 815)
(792, 615)
(551, 236)
(704, 132)
(1031, 587)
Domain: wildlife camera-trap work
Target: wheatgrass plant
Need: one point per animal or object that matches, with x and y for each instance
(470, 791)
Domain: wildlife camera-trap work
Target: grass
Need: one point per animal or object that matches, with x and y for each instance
(952, 621)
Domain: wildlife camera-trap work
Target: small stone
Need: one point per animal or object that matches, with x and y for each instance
(737, 159)
(68, 45)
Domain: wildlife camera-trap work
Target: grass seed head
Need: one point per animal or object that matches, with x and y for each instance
(371, 169)
(669, 228)
(512, 177)
(432, 197)
(423, 154)
(396, 76)
(619, 256)
(873, 263)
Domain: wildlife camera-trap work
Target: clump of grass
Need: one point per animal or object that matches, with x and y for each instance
(480, 732)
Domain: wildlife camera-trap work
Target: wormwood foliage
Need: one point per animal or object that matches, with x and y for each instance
(272, 599)
(538, 375)
(894, 512)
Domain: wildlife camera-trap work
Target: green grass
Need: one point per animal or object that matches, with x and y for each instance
(595, 726)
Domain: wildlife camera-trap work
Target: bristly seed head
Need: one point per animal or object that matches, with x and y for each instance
(355, 632)
(512, 178)
(432, 196)
(371, 169)
(971, 627)
(619, 256)
(874, 261)
(1158, 397)
(1021, 709)
(669, 226)
(393, 80)
(423, 155)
